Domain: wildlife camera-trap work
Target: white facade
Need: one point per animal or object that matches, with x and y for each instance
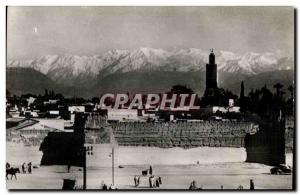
(215, 109)
(122, 115)
(73, 109)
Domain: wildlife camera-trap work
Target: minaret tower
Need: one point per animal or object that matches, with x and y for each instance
(211, 96)
(211, 72)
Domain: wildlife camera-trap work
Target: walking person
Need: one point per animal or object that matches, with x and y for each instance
(150, 170)
(157, 182)
(104, 187)
(135, 181)
(251, 184)
(138, 180)
(29, 167)
(159, 179)
(69, 166)
(24, 168)
(150, 184)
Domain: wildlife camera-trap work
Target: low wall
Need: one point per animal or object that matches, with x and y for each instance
(163, 156)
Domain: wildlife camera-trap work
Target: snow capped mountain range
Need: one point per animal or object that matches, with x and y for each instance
(146, 59)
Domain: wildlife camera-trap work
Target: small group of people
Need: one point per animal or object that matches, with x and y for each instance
(27, 167)
(24, 167)
(154, 182)
(105, 187)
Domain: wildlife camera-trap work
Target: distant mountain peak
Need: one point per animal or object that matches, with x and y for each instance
(71, 67)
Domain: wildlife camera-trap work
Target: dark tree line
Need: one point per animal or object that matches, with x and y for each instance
(264, 103)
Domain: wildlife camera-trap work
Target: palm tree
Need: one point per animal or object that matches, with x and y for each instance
(278, 86)
(291, 90)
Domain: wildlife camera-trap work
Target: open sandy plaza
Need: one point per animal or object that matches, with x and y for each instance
(230, 175)
(212, 172)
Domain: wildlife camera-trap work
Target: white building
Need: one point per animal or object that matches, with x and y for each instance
(215, 109)
(122, 115)
(73, 109)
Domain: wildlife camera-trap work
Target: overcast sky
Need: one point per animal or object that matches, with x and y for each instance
(37, 31)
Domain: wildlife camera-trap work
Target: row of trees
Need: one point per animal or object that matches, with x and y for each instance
(264, 102)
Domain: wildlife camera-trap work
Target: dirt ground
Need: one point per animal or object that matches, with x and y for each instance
(207, 174)
(211, 176)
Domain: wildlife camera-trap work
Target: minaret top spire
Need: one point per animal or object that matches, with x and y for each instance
(211, 57)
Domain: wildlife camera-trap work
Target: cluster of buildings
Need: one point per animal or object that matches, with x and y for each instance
(30, 118)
